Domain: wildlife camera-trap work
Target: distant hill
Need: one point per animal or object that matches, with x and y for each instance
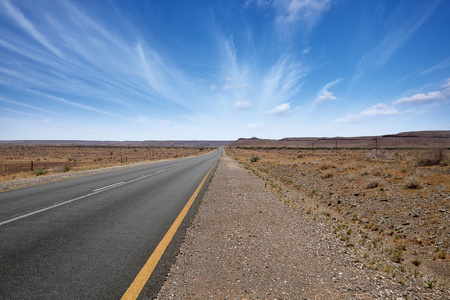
(414, 139)
(192, 143)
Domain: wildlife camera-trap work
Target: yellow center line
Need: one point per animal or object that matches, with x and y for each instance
(141, 279)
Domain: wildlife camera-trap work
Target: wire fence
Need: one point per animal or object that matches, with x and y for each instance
(8, 168)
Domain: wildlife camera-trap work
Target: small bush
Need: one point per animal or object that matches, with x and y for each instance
(66, 168)
(40, 171)
(254, 158)
(416, 262)
(397, 255)
(412, 183)
(432, 157)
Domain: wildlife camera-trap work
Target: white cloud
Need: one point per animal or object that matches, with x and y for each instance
(326, 96)
(379, 109)
(424, 98)
(213, 87)
(281, 109)
(235, 87)
(306, 50)
(242, 105)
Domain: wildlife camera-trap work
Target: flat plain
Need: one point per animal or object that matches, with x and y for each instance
(23, 161)
(391, 207)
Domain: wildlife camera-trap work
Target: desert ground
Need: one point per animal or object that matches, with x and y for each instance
(22, 160)
(390, 207)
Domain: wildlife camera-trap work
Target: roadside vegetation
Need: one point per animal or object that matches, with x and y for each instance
(22, 161)
(390, 207)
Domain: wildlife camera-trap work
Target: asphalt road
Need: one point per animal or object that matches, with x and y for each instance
(88, 238)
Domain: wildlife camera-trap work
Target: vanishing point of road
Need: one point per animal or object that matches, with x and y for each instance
(107, 236)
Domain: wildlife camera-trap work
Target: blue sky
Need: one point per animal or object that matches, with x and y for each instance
(221, 70)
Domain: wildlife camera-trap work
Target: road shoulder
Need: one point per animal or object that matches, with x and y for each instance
(244, 243)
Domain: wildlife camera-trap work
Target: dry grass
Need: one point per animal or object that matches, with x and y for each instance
(397, 205)
(15, 160)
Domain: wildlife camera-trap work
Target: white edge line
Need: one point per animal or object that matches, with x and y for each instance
(46, 208)
(84, 196)
(110, 186)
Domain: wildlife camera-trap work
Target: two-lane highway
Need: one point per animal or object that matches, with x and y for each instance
(88, 238)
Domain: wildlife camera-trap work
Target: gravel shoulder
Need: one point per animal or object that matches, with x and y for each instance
(244, 243)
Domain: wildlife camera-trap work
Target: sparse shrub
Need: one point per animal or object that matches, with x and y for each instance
(416, 262)
(400, 244)
(377, 153)
(412, 183)
(431, 157)
(40, 171)
(397, 255)
(66, 168)
(254, 158)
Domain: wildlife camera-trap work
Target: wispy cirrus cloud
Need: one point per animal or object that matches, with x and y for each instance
(27, 106)
(283, 80)
(83, 57)
(76, 104)
(266, 84)
(235, 86)
(306, 12)
(441, 65)
(400, 31)
(447, 83)
(16, 15)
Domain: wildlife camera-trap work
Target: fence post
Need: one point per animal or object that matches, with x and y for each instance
(31, 166)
